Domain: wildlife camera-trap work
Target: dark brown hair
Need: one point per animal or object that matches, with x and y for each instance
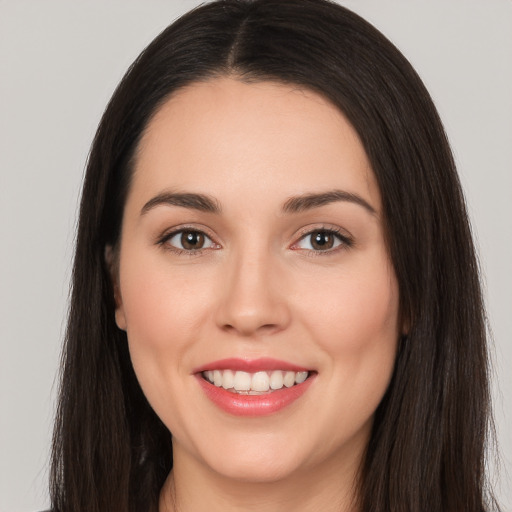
(426, 453)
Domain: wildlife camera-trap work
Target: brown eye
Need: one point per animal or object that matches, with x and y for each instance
(322, 240)
(191, 240)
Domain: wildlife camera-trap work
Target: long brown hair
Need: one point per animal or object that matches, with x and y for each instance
(426, 453)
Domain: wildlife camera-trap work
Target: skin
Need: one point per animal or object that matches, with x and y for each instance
(258, 289)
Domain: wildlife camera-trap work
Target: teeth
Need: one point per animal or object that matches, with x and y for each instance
(300, 377)
(228, 379)
(217, 378)
(242, 381)
(254, 383)
(289, 379)
(276, 380)
(260, 381)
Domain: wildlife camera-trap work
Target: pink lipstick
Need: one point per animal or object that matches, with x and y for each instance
(253, 387)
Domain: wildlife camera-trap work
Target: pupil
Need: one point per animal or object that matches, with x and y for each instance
(192, 240)
(322, 240)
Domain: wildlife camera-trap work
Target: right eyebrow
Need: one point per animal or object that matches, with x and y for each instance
(199, 202)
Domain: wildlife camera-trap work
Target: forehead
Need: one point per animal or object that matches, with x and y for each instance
(260, 137)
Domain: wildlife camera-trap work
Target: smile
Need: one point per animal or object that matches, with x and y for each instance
(254, 383)
(253, 388)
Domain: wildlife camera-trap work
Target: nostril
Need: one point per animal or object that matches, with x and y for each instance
(249, 308)
(250, 329)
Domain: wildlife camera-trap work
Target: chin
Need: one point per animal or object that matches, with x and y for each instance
(247, 471)
(260, 465)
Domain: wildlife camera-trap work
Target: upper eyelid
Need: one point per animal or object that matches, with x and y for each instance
(169, 233)
(308, 230)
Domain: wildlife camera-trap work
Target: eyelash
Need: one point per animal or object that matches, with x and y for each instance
(345, 242)
(163, 241)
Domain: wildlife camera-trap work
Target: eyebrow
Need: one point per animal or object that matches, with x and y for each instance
(297, 204)
(200, 202)
(309, 201)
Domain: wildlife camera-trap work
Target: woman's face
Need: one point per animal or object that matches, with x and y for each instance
(253, 255)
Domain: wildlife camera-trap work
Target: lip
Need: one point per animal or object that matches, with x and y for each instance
(261, 364)
(253, 405)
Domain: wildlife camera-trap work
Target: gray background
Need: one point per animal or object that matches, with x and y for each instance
(59, 64)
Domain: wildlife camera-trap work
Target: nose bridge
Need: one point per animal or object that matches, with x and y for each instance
(252, 298)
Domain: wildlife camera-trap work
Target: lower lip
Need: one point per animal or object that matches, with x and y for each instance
(253, 405)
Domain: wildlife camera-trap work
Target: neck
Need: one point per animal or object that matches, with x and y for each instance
(191, 486)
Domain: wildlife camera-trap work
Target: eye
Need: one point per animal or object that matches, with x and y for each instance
(322, 240)
(189, 240)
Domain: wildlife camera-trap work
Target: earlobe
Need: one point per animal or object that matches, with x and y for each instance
(111, 260)
(120, 318)
(406, 328)
(405, 324)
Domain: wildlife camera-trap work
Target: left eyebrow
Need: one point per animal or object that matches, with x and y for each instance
(309, 201)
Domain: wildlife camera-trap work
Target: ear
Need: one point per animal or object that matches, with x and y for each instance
(112, 262)
(406, 326)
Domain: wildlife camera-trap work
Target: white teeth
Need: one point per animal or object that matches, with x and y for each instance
(259, 382)
(217, 378)
(242, 381)
(289, 379)
(300, 377)
(276, 380)
(228, 379)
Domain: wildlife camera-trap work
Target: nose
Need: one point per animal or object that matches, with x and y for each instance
(253, 301)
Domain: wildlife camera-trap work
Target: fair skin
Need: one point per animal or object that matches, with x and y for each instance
(257, 274)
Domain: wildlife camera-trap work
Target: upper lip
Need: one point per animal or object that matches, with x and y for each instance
(251, 365)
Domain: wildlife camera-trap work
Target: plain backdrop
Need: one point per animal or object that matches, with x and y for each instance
(60, 61)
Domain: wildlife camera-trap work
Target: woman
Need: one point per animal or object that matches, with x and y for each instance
(275, 294)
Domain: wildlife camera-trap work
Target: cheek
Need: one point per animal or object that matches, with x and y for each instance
(357, 309)
(355, 326)
(160, 302)
(355, 323)
(163, 316)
